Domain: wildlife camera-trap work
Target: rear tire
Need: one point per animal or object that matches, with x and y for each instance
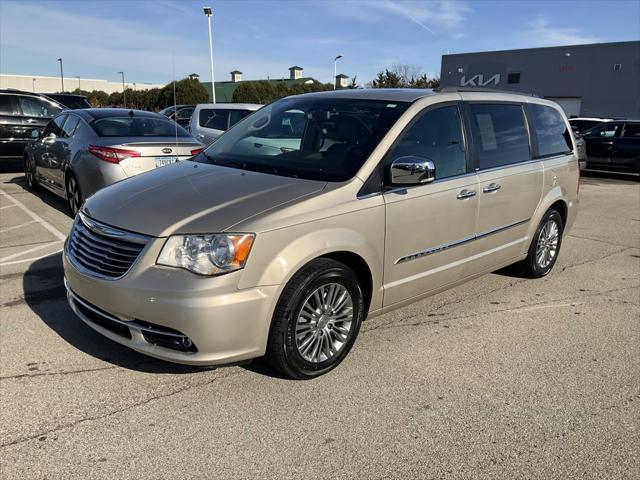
(74, 197)
(316, 321)
(545, 246)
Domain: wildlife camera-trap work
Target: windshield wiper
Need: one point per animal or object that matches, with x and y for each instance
(251, 167)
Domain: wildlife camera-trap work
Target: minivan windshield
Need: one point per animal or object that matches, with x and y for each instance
(137, 127)
(312, 138)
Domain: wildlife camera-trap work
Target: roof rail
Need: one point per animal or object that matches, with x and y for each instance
(481, 89)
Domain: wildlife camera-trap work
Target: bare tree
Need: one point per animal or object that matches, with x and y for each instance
(406, 72)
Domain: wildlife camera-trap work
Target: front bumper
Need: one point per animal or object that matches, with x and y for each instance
(224, 323)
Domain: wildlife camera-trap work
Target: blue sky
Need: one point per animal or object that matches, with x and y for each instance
(150, 40)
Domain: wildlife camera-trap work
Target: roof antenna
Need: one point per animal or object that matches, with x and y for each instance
(131, 113)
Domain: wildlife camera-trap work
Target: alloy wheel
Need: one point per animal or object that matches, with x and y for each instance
(28, 172)
(73, 195)
(324, 323)
(547, 246)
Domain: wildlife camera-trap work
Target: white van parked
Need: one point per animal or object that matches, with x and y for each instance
(210, 120)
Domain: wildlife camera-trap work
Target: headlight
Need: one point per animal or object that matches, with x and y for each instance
(207, 254)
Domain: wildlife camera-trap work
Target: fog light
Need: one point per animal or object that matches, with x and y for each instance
(186, 342)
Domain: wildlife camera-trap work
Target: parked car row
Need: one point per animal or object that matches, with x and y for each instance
(82, 151)
(22, 116)
(309, 215)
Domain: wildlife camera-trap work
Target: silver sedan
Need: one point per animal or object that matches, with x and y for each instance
(82, 151)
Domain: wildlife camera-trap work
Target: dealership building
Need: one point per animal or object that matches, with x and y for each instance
(596, 80)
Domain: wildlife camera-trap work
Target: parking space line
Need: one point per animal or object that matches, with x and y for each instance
(24, 252)
(3, 230)
(58, 234)
(30, 259)
(7, 206)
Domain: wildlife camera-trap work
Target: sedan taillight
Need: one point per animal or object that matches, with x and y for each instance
(196, 151)
(112, 155)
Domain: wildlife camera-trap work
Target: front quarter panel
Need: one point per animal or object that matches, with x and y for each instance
(278, 254)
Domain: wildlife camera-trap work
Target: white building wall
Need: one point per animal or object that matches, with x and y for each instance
(52, 84)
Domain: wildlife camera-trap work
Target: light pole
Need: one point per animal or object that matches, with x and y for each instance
(79, 88)
(33, 84)
(124, 92)
(335, 69)
(61, 74)
(209, 13)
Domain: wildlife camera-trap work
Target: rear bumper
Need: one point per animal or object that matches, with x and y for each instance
(149, 305)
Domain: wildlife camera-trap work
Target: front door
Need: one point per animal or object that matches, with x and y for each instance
(626, 148)
(599, 142)
(46, 151)
(429, 227)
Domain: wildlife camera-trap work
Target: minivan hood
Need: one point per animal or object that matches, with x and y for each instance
(190, 197)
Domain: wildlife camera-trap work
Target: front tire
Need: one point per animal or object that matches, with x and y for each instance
(317, 320)
(30, 173)
(74, 197)
(545, 246)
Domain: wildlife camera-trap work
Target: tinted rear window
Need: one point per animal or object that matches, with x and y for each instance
(5, 105)
(553, 137)
(72, 101)
(137, 127)
(221, 119)
(500, 134)
(632, 130)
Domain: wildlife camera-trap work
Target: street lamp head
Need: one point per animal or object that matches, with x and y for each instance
(59, 59)
(338, 57)
(207, 11)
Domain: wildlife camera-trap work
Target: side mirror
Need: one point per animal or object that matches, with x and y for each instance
(411, 170)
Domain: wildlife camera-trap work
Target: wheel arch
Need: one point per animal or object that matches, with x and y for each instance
(361, 269)
(276, 263)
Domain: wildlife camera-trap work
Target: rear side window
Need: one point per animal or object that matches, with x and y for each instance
(216, 119)
(6, 108)
(552, 134)
(184, 113)
(631, 130)
(55, 127)
(36, 107)
(70, 125)
(437, 136)
(500, 134)
(137, 127)
(236, 115)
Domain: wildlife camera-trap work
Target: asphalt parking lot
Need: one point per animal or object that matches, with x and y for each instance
(500, 378)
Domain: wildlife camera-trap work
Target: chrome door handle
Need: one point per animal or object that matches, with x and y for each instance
(466, 194)
(492, 187)
(607, 143)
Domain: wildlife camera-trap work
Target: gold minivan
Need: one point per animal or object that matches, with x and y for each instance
(316, 212)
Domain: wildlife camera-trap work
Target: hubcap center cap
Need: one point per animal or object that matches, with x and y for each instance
(323, 321)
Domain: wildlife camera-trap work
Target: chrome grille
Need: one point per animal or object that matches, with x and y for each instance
(103, 251)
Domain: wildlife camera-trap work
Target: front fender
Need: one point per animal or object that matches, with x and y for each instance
(277, 255)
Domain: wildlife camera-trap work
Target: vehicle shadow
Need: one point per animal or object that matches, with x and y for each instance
(51, 199)
(45, 295)
(600, 177)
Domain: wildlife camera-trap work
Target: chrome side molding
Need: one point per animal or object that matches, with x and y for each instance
(446, 246)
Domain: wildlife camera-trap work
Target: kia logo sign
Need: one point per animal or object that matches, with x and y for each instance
(166, 150)
(480, 80)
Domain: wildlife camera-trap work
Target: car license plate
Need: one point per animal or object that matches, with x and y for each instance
(164, 161)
